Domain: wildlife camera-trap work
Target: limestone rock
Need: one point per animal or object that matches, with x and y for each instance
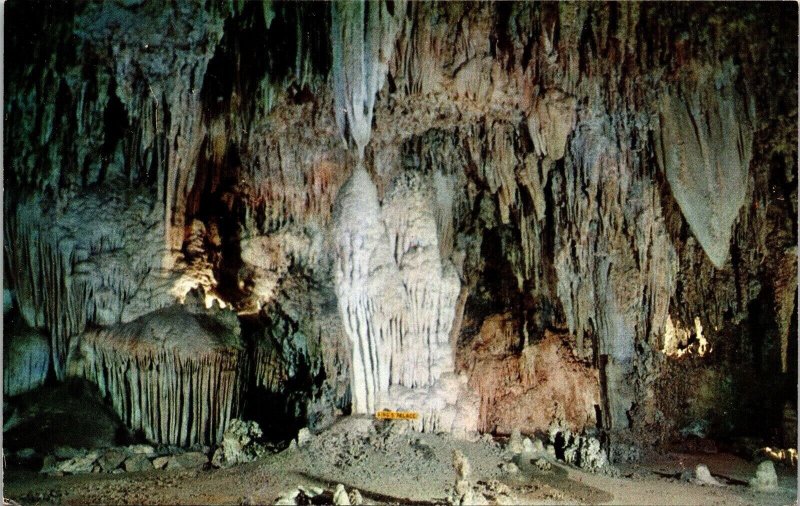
(141, 449)
(542, 464)
(461, 465)
(509, 468)
(766, 479)
(239, 444)
(78, 464)
(161, 462)
(304, 436)
(355, 497)
(136, 463)
(111, 459)
(189, 460)
(67, 452)
(515, 443)
(551, 122)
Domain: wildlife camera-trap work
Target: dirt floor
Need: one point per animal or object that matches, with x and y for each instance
(389, 464)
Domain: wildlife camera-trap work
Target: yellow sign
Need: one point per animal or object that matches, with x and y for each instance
(396, 415)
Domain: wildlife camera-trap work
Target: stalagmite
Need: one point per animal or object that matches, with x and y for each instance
(173, 374)
(397, 298)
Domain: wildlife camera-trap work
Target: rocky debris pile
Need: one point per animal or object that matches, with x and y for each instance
(123, 459)
(495, 492)
(316, 495)
(766, 479)
(240, 444)
(483, 492)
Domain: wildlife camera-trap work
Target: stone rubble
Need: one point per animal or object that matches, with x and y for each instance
(132, 458)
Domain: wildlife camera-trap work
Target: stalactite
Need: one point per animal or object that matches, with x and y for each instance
(363, 36)
(615, 264)
(704, 146)
(83, 261)
(172, 374)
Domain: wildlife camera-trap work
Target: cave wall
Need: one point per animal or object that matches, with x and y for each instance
(605, 173)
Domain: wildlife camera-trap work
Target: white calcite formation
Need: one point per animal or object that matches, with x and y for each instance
(173, 374)
(397, 299)
(704, 146)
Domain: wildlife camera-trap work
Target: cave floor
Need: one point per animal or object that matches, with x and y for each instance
(393, 466)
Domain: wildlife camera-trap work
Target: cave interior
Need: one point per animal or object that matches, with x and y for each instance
(495, 243)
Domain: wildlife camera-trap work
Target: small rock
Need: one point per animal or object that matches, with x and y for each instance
(355, 497)
(551, 451)
(304, 436)
(78, 465)
(766, 479)
(67, 452)
(138, 462)
(461, 465)
(542, 464)
(340, 497)
(239, 444)
(527, 445)
(289, 498)
(702, 476)
(310, 491)
(26, 454)
(160, 462)
(141, 449)
(191, 460)
(538, 446)
(509, 468)
(487, 438)
(111, 459)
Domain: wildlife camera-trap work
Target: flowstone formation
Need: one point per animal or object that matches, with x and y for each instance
(467, 210)
(174, 374)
